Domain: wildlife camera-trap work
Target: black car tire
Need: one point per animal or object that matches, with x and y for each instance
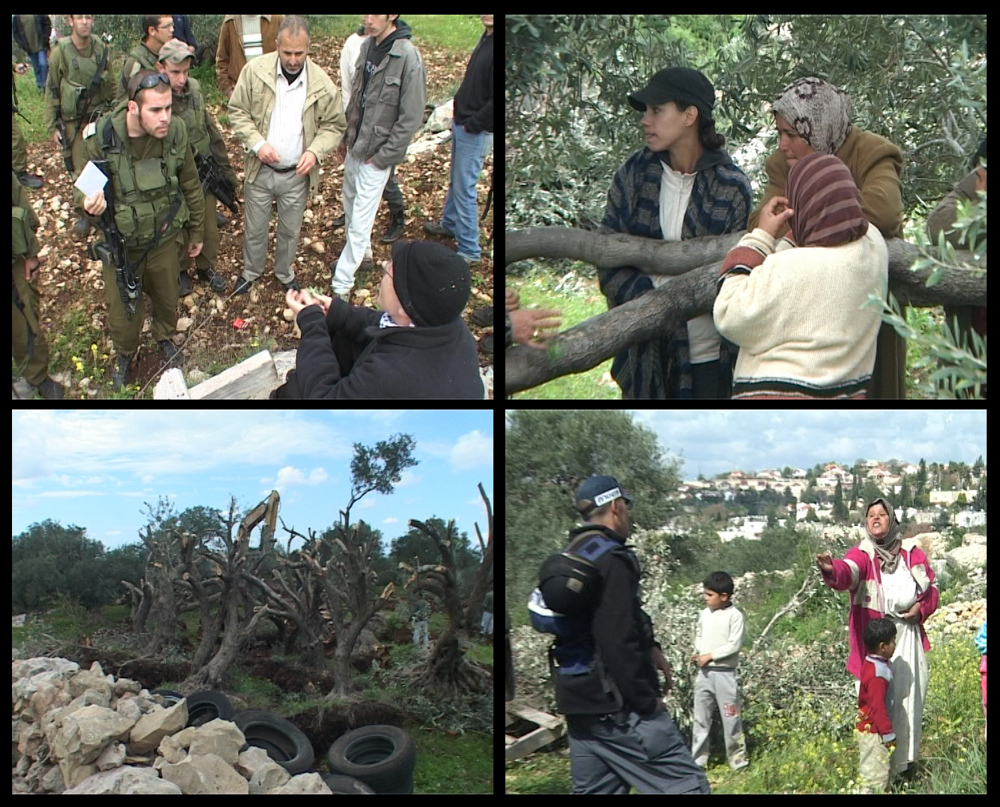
(281, 739)
(383, 757)
(203, 707)
(345, 784)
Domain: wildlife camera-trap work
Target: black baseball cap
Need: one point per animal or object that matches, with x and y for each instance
(597, 491)
(676, 84)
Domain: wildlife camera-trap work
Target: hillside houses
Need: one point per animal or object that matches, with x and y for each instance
(727, 487)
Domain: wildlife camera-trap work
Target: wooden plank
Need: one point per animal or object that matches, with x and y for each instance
(541, 718)
(171, 386)
(252, 378)
(550, 728)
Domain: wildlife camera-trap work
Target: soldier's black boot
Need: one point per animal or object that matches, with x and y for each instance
(395, 228)
(50, 389)
(120, 374)
(171, 353)
(30, 180)
(216, 282)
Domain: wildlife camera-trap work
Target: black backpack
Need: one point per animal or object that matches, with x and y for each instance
(569, 586)
(569, 581)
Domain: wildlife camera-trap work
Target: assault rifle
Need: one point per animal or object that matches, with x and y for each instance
(113, 248)
(67, 149)
(214, 181)
(17, 111)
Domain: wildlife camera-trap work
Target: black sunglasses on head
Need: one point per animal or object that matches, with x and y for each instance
(148, 82)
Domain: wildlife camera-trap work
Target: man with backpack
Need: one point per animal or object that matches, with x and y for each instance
(603, 664)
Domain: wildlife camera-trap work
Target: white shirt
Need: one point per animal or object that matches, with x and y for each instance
(675, 193)
(285, 129)
(348, 60)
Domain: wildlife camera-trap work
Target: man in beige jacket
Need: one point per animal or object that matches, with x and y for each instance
(288, 114)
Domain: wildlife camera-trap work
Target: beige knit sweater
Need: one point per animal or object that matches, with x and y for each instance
(798, 317)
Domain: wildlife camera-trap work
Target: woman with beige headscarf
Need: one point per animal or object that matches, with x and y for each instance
(812, 115)
(889, 576)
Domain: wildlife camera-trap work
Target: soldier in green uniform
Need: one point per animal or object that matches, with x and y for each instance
(77, 91)
(206, 140)
(157, 193)
(30, 353)
(156, 32)
(19, 152)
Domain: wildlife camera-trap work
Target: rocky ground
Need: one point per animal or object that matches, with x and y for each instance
(217, 330)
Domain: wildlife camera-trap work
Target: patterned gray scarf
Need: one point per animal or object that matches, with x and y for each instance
(818, 112)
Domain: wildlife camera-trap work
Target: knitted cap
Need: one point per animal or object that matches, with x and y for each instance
(431, 281)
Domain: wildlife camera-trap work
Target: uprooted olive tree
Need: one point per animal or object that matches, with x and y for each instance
(446, 673)
(202, 560)
(194, 563)
(695, 265)
(334, 571)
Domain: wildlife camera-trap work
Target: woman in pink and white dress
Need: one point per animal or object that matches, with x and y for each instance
(889, 577)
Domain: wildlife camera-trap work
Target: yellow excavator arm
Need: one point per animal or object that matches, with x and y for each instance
(267, 509)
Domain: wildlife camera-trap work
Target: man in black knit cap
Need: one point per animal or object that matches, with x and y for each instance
(417, 346)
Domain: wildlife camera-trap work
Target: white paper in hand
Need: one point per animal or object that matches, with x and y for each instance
(91, 180)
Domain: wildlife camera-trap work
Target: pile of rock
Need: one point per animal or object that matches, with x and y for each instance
(81, 731)
(960, 619)
(970, 555)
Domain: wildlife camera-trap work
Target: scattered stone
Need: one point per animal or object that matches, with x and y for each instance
(81, 731)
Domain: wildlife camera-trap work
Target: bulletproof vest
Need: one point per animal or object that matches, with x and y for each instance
(190, 108)
(81, 73)
(145, 59)
(144, 189)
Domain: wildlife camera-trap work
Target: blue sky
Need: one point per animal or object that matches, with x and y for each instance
(712, 442)
(96, 469)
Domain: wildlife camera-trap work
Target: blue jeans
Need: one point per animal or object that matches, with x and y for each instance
(461, 210)
(40, 64)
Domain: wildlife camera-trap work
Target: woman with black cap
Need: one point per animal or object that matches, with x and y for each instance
(681, 185)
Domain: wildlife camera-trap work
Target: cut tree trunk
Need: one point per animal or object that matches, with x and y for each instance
(688, 295)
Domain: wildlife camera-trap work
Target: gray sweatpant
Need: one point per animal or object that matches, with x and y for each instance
(610, 753)
(718, 686)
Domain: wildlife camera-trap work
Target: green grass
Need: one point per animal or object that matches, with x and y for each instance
(580, 301)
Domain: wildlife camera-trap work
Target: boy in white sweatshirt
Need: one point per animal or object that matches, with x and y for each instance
(717, 643)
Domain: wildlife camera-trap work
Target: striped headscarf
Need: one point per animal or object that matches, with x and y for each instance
(818, 112)
(826, 202)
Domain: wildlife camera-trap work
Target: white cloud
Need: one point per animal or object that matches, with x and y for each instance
(407, 478)
(390, 520)
(471, 450)
(290, 476)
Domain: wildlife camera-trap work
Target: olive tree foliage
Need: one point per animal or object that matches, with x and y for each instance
(920, 81)
(568, 124)
(958, 356)
(548, 455)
